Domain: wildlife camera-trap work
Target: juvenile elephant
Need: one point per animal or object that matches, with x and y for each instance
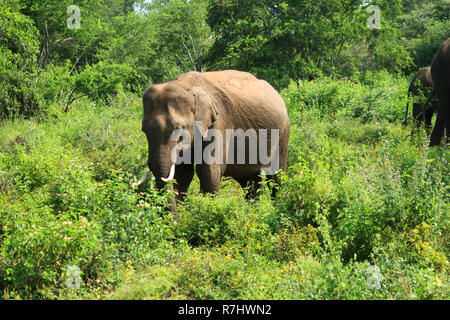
(440, 71)
(422, 84)
(197, 118)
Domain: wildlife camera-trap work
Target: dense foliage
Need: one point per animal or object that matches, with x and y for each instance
(361, 193)
(127, 45)
(18, 55)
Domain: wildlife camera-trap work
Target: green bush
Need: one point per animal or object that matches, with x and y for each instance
(55, 212)
(37, 246)
(54, 85)
(371, 96)
(216, 220)
(104, 79)
(77, 222)
(31, 169)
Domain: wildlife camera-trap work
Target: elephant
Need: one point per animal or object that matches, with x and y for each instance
(440, 71)
(227, 103)
(422, 83)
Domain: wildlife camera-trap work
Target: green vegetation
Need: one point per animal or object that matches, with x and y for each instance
(360, 190)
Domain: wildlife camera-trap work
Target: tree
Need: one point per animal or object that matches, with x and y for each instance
(281, 40)
(182, 35)
(58, 42)
(423, 26)
(18, 55)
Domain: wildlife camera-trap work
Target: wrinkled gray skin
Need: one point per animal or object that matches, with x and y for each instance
(221, 100)
(440, 71)
(422, 83)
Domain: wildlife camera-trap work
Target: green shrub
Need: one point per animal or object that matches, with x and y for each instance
(55, 84)
(31, 169)
(103, 79)
(216, 220)
(134, 223)
(290, 244)
(78, 222)
(374, 96)
(37, 246)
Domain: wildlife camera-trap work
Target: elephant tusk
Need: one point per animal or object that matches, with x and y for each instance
(144, 177)
(171, 174)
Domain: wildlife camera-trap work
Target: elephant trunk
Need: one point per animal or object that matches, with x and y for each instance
(164, 171)
(159, 160)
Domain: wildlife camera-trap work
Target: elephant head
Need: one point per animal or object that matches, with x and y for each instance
(422, 84)
(170, 106)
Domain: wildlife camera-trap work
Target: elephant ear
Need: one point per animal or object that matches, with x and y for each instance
(204, 109)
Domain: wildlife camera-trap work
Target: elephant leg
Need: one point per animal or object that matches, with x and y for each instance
(428, 116)
(446, 133)
(183, 176)
(277, 181)
(442, 118)
(417, 114)
(250, 185)
(210, 177)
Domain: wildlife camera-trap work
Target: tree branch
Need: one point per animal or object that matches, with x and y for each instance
(182, 62)
(189, 53)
